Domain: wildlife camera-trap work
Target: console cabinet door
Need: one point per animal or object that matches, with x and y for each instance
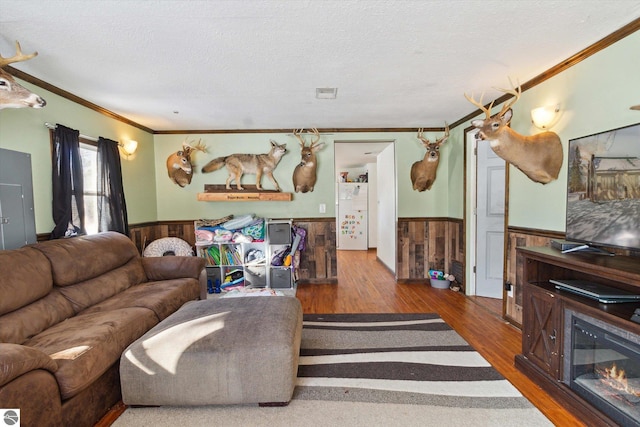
(542, 330)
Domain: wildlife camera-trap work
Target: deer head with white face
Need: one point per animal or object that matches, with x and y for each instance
(538, 156)
(179, 164)
(423, 173)
(304, 174)
(12, 95)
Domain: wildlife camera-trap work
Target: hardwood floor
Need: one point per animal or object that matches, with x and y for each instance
(494, 305)
(365, 285)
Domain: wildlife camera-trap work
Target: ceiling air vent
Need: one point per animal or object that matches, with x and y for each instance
(326, 92)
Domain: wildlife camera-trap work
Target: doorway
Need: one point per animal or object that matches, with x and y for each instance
(17, 215)
(376, 161)
(488, 198)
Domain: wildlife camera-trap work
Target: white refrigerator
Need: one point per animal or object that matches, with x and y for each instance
(352, 216)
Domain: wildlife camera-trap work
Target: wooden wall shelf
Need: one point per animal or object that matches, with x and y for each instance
(219, 193)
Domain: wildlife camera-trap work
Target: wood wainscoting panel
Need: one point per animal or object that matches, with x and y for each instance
(318, 261)
(514, 268)
(428, 244)
(143, 234)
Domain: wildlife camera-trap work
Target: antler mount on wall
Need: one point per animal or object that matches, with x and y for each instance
(538, 156)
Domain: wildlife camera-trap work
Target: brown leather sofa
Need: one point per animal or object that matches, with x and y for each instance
(68, 308)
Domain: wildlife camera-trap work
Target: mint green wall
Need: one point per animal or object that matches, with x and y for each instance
(595, 95)
(430, 203)
(455, 174)
(23, 130)
(175, 203)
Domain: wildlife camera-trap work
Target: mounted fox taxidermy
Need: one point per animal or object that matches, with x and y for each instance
(304, 174)
(423, 172)
(179, 164)
(256, 164)
(538, 156)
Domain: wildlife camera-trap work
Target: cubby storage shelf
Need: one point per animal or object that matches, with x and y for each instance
(252, 262)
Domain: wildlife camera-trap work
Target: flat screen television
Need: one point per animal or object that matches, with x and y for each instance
(603, 189)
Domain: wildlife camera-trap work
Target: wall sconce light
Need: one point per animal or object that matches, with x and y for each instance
(129, 147)
(545, 117)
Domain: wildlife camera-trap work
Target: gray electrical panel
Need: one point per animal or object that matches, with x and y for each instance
(17, 217)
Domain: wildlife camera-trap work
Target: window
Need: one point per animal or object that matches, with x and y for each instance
(87, 198)
(89, 155)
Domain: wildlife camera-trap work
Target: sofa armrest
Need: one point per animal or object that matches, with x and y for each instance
(16, 360)
(173, 267)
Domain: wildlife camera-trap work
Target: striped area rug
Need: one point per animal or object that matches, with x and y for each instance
(396, 358)
(373, 370)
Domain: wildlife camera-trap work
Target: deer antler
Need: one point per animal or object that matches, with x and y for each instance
(438, 141)
(446, 133)
(316, 134)
(198, 147)
(297, 133)
(314, 131)
(18, 57)
(515, 91)
(479, 104)
(421, 138)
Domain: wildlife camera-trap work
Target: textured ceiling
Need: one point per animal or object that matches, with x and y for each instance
(255, 64)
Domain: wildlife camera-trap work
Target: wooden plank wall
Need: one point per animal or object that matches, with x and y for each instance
(317, 264)
(423, 244)
(514, 267)
(428, 243)
(143, 234)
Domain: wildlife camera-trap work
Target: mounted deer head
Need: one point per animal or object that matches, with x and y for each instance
(179, 165)
(12, 95)
(538, 156)
(304, 174)
(423, 172)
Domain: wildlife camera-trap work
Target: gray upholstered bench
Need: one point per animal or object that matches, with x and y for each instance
(220, 351)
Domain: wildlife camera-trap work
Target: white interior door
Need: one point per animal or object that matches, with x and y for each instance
(490, 222)
(387, 201)
(17, 214)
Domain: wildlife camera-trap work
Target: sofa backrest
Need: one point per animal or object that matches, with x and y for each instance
(45, 283)
(90, 269)
(28, 303)
(26, 277)
(77, 259)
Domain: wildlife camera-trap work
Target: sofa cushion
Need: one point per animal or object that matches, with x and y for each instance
(19, 359)
(18, 267)
(85, 346)
(82, 258)
(20, 325)
(89, 292)
(163, 298)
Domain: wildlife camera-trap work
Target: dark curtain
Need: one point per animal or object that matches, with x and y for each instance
(112, 209)
(68, 201)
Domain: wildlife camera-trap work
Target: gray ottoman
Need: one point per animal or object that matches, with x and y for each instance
(220, 351)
